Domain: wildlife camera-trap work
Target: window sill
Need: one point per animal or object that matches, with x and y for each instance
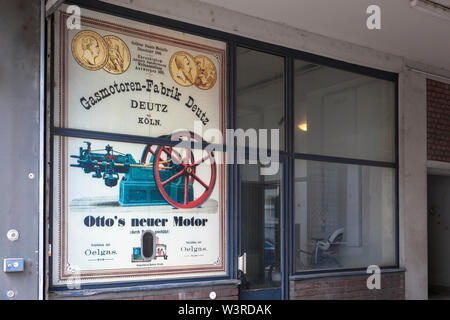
(341, 273)
(140, 288)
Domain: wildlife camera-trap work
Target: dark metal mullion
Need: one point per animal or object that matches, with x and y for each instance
(233, 227)
(312, 272)
(397, 178)
(237, 168)
(239, 208)
(291, 216)
(288, 105)
(372, 163)
(289, 176)
(264, 47)
(49, 162)
(100, 135)
(45, 169)
(284, 227)
(247, 150)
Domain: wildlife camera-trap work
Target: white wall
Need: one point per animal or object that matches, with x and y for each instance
(401, 25)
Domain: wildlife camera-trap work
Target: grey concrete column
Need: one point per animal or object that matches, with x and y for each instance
(413, 183)
(20, 145)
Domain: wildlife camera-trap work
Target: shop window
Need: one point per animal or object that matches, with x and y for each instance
(343, 114)
(344, 216)
(344, 143)
(260, 96)
(127, 205)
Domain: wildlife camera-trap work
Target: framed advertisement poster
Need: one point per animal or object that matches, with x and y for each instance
(124, 211)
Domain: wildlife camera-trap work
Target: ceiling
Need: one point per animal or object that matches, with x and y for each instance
(405, 31)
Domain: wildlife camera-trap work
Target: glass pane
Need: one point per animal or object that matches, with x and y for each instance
(343, 114)
(260, 228)
(260, 92)
(344, 216)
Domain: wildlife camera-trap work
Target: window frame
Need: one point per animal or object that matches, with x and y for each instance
(287, 156)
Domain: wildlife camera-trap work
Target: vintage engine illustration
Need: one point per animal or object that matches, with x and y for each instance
(164, 176)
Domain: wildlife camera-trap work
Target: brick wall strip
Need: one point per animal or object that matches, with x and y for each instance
(348, 288)
(438, 121)
(223, 292)
(327, 288)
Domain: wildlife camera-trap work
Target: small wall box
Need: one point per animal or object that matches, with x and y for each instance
(13, 265)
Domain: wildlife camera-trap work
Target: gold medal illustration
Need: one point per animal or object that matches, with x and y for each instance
(183, 68)
(207, 73)
(119, 55)
(90, 50)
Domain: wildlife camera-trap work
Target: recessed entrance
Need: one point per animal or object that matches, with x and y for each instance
(438, 237)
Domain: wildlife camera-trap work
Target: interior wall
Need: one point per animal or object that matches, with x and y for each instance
(438, 230)
(347, 115)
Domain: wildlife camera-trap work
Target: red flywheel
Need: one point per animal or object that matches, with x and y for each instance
(200, 174)
(149, 155)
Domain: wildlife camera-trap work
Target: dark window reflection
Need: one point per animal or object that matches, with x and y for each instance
(260, 218)
(260, 92)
